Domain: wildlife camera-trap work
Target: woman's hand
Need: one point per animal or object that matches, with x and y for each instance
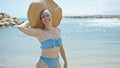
(24, 25)
(25, 28)
(65, 65)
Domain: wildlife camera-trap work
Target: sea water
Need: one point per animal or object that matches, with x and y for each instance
(88, 42)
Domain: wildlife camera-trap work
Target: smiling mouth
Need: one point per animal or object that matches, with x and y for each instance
(47, 21)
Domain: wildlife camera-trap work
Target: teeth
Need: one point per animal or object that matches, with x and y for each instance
(47, 21)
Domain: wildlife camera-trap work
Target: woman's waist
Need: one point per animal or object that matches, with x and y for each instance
(50, 53)
(49, 58)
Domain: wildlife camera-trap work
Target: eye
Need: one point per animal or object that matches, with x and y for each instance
(43, 16)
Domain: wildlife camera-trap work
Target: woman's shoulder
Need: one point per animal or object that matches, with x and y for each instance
(57, 29)
(38, 30)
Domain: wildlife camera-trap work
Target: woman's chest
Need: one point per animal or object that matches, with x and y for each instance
(51, 34)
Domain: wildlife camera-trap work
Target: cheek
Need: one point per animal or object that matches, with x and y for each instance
(50, 19)
(42, 20)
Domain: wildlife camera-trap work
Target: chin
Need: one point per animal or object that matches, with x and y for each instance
(48, 23)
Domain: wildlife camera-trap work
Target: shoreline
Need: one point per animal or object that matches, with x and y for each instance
(94, 16)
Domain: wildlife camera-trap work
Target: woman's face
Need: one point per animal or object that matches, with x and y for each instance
(46, 19)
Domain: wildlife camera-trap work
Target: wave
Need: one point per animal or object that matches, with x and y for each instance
(92, 22)
(103, 22)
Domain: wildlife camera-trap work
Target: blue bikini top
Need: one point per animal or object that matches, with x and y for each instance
(51, 43)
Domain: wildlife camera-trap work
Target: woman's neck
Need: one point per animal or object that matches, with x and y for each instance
(48, 27)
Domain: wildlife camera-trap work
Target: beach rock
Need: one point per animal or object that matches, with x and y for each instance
(1, 16)
(7, 20)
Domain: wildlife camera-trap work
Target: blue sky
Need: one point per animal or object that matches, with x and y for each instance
(18, 8)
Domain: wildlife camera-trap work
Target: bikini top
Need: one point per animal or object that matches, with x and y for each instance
(51, 43)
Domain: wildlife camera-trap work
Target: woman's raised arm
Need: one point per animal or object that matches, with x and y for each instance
(25, 28)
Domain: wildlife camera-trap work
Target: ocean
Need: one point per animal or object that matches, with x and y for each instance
(88, 43)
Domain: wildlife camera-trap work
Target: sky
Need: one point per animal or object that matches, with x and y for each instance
(18, 8)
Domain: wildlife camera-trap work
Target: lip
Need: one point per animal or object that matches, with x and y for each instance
(47, 21)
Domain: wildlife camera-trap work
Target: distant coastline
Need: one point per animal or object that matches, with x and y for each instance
(7, 20)
(94, 16)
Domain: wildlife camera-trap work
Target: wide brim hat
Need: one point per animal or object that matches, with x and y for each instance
(35, 8)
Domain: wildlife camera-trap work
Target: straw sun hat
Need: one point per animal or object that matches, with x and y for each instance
(36, 7)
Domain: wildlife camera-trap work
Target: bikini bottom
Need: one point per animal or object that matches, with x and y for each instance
(51, 62)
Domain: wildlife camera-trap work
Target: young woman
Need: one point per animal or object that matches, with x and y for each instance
(50, 39)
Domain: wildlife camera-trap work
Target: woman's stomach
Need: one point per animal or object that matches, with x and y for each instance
(51, 53)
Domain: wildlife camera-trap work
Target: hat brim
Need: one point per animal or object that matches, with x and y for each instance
(34, 13)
